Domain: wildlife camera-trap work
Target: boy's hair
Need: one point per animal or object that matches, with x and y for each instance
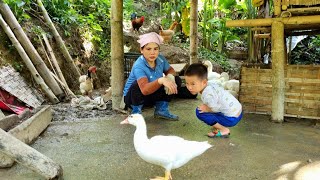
(197, 69)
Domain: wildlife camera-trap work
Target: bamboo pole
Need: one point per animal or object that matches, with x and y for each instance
(308, 10)
(277, 7)
(117, 64)
(29, 157)
(278, 63)
(63, 48)
(28, 62)
(47, 56)
(64, 86)
(193, 31)
(298, 20)
(29, 49)
(54, 60)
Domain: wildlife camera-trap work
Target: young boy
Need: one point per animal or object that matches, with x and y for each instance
(219, 109)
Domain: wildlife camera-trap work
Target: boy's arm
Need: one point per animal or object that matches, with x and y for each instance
(210, 99)
(204, 108)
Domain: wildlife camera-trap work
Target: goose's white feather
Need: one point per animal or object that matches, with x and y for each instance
(170, 152)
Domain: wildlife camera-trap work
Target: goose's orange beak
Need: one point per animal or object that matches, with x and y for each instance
(125, 121)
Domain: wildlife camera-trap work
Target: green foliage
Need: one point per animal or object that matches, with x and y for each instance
(20, 8)
(226, 4)
(173, 11)
(88, 15)
(214, 16)
(128, 8)
(215, 56)
(307, 51)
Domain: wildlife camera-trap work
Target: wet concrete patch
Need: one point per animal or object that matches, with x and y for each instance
(101, 148)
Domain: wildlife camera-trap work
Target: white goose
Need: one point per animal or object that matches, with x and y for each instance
(170, 152)
(211, 75)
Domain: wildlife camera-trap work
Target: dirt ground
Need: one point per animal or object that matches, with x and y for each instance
(93, 145)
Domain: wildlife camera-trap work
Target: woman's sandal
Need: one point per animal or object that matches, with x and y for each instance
(217, 134)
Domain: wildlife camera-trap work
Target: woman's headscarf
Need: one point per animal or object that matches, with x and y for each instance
(149, 38)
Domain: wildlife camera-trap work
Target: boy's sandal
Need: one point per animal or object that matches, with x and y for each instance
(217, 134)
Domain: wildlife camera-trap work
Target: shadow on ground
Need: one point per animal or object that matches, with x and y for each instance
(101, 148)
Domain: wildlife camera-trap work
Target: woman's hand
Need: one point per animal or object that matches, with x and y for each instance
(172, 86)
(204, 108)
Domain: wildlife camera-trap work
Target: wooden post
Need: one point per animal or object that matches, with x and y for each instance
(29, 49)
(28, 62)
(278, 63)
(193, 31)
(73, 68)
(117, 64)
(29, 157)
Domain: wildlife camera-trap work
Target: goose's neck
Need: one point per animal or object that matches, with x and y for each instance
(209, 68)
(140, 135)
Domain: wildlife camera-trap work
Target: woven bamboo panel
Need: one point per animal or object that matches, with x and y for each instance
(303, 2)
(302, 90)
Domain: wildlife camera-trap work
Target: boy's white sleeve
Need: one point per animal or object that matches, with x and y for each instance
(211, 99)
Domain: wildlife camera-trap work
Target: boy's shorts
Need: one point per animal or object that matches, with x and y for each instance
(213, 118)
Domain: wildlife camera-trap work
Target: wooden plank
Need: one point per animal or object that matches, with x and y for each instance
(249, 85)
(255, 102)
(305, 80)
(310, 106)
(301, 112)
(304, 91)
(316, 96)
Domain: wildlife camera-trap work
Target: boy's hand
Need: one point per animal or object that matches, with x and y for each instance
(204, 108)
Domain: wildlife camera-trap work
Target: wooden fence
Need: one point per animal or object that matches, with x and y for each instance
(302, 93)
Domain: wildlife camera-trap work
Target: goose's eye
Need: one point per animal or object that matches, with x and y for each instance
(130, 116)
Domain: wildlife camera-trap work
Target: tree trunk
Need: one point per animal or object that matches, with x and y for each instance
(117, 64)
(193, 31)
(278, 63)
(29, 157)
(73, 68)
(54, 60)
(204, 31)
(29, 48)
(28, 62)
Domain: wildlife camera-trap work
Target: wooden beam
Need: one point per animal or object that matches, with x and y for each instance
(261, 29)
(278, 59)
(299, 20)
(300, 33)
(117, 62)
(262, 36)
(29, 157)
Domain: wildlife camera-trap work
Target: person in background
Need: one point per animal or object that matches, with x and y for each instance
(146, 84)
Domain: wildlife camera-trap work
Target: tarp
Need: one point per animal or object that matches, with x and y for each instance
(11, 103)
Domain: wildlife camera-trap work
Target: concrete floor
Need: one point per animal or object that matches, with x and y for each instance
(103, 149)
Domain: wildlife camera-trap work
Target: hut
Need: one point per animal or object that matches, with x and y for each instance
(282, 89)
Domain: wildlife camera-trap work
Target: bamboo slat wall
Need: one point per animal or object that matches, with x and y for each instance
(302, 96)
(301, 2)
